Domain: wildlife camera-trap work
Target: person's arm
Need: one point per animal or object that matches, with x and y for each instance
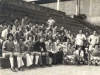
(13, 48)
(3, 35)
(26, 44)
(84, 37)
(97, 41)
(89, 39)
(44, 47)
(22, 21)
(76, 39)
(47, 22)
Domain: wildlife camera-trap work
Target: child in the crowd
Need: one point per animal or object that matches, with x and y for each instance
(69, 54)
(79, 55)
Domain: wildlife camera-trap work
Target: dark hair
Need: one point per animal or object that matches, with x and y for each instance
(10, 34)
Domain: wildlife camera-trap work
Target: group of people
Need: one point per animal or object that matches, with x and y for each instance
(45, 44)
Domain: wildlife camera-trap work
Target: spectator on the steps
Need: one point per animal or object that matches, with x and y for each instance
(5, 32)
(93, 40)
(51, 21)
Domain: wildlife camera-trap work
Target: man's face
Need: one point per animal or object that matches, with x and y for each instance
(49, 41)
(16, 20)
(26, 17)
(9, 28)
(58, 41)
(50, 18)
(36, 25)
(86, 33)
(80, 31)
(30, 24)
(42, 25)
(69, 32)
(41, 40)
(10, 38)
(62, 28)
(96, 46)
(55, 27)
(68, 40)
(62, 34)
(30, 38)
(20, 29)
(21, 41)
(94, 33)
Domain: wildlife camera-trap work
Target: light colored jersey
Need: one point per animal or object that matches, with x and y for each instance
(80, 39)
(51, 22)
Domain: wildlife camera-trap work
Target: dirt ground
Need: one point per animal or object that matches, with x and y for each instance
(56, 70)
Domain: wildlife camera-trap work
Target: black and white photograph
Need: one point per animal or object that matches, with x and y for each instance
(49, 37)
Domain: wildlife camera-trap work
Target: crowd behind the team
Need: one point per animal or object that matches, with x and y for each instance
(46, 45)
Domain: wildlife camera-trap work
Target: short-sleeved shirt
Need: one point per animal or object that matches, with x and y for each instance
(80, 39)
(8, 46)
(51, 22)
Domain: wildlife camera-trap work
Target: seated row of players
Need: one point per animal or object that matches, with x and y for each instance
(45, 44)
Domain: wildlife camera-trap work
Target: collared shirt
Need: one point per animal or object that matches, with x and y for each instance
(80, 39)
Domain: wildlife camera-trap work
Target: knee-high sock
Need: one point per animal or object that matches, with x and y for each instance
(32, 57)
(22, 63)
(19, 62)
(28, 59)
(36, 59)
(11, 62)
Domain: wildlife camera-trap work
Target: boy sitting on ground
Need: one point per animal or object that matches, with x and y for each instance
(79, 55)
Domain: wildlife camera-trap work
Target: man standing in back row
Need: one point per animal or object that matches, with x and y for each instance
(93, 40)
(51, 21)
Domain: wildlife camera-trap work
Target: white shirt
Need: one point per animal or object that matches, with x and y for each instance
(80, 39)
(51, 22)
(4, 34)
(93, 40)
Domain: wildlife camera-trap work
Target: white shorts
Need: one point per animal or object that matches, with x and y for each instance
(7, 54)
